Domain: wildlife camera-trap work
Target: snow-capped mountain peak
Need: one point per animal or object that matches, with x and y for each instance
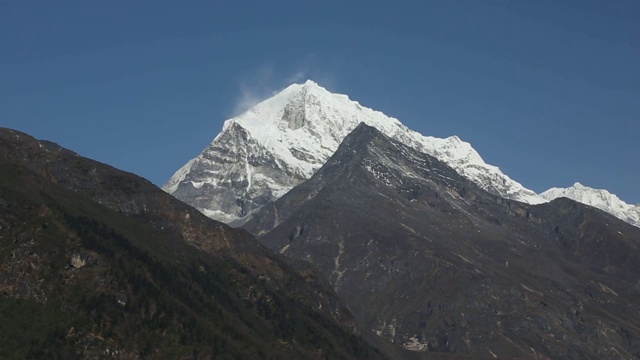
(598, 198)
(280, 142)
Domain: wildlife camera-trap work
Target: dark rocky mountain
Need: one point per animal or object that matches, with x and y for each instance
(425, 258)
(98, 263)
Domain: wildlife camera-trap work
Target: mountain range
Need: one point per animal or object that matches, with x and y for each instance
(279, 143)
(349, 236)
(282, 141)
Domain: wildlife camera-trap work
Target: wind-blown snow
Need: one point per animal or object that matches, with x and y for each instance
(598, 198)
(295, 132)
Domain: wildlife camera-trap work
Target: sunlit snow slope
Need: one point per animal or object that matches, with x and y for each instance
(282, 141)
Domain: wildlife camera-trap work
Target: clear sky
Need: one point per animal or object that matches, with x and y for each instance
(549, 91)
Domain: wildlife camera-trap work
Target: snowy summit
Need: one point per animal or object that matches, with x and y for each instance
(280, 142)
(598, 198)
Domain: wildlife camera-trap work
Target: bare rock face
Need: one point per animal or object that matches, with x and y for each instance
(427, 259)
(233, 176)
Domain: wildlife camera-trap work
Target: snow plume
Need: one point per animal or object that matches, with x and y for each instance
(324, 78)
(298, 77)
(255, 88)
(265, 81)
(311, 68)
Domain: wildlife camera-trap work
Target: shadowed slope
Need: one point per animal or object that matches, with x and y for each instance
(100, 263)
(426, 259)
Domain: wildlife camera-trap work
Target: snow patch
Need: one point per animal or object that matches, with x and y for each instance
(414, 344)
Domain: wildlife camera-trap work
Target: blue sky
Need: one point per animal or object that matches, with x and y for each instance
(549, 91)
